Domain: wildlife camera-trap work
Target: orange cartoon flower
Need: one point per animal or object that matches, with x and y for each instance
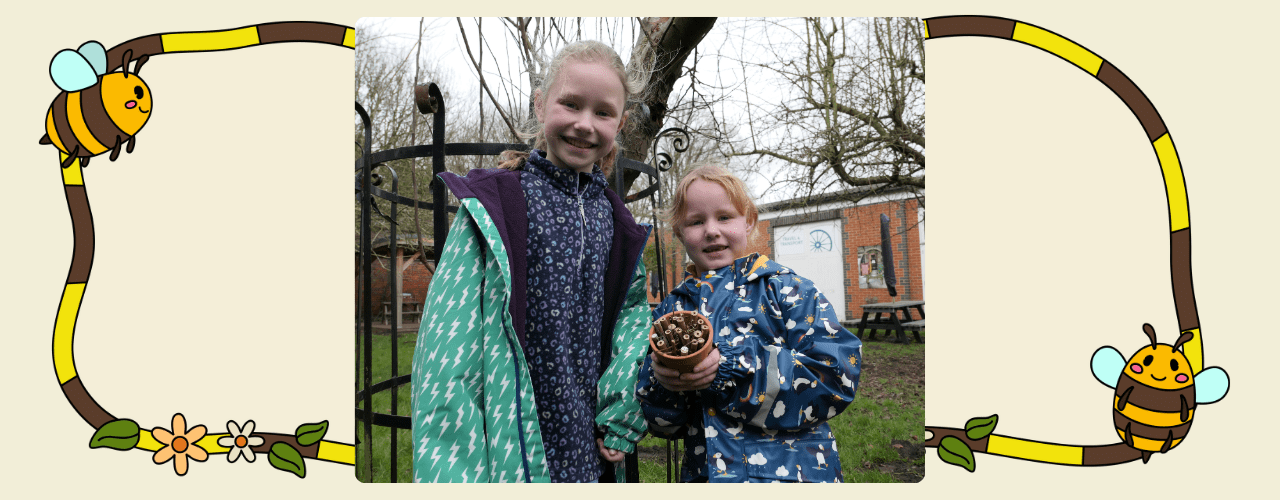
(179, 444)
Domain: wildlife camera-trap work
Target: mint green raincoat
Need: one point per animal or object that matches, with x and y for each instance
(474, 415)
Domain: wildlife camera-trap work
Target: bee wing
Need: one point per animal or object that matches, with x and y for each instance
(1107, 364)
(96, 55)
(71, 72)
(1211, 385)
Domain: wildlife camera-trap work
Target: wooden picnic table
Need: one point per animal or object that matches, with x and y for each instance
(894, 316)
(409, 308)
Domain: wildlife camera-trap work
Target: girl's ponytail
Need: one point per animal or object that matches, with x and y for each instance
(607, 163)
(512, 159)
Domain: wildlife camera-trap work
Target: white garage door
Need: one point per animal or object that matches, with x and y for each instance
(814, 251)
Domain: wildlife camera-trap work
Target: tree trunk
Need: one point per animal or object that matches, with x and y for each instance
(661, 48)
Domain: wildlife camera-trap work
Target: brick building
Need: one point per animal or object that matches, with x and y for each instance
(830, 233)
(415, 277)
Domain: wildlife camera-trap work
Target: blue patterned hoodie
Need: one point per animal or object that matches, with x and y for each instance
(786, 367)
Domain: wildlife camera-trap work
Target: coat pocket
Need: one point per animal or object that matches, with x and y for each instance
(810, 460)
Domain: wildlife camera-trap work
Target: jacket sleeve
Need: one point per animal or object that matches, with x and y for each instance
(798, 370)
(666, 411)
(447, 385)
(617, 410)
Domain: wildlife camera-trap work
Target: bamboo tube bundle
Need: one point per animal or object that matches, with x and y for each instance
(681, 339)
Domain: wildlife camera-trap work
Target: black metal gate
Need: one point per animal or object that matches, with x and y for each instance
(430, 101)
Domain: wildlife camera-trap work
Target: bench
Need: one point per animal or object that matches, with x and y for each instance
(889, 316)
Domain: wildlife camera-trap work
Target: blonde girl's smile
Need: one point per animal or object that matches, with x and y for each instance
(581, 114)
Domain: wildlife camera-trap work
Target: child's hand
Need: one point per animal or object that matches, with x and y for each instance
(610, 454)
(700, 378)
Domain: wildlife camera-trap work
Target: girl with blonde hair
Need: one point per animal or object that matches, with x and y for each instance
(536, 322)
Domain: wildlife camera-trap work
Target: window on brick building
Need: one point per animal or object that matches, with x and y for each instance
(870, 267)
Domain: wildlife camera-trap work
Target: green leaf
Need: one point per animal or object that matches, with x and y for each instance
(286, 458)
(980, 427)
(309, 434)
(954, 451)
(119, 434)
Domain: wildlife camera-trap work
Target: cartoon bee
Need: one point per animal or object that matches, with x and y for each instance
(96, 111)
(1156, 392)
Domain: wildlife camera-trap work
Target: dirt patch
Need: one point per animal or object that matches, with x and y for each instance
(905, 470)
(906, 369)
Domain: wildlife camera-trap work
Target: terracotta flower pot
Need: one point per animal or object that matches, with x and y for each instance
(666, 343)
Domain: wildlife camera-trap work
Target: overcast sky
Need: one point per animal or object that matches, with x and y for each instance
(730, 38)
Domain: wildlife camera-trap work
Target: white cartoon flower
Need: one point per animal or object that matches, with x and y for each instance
(240, 441)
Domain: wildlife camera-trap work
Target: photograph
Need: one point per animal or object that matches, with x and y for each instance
(648, 250)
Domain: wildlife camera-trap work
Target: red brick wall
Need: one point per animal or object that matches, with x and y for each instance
(861, 227)
(416, 280)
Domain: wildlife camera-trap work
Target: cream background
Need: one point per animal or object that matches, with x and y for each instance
(214, 295)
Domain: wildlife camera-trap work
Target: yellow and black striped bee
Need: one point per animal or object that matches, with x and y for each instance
(96, 111)
(1156, 392)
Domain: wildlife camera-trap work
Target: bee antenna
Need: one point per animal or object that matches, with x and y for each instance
(1151, 333)
(138, 65)
(124, 63)
(1185, 337)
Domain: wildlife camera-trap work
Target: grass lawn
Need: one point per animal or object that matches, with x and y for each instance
(382, 404)
(889, 407)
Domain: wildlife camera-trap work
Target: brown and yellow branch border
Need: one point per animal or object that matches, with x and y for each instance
(956, 446)
(285, 451)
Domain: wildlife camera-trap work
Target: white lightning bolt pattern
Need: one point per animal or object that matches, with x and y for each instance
(435, 455)
(509, 446)
(453, 455)
(471, 445)
(440, 296)
(453, 331)
(471, 325)
(448, 393)
(497, 411)
(458, 359)
(465, 293)
(422, 448)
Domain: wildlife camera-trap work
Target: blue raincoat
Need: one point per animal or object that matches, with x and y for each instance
(786, 367)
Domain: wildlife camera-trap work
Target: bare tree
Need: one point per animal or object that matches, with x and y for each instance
(384, 80)
(658, 49)
(852, 107)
